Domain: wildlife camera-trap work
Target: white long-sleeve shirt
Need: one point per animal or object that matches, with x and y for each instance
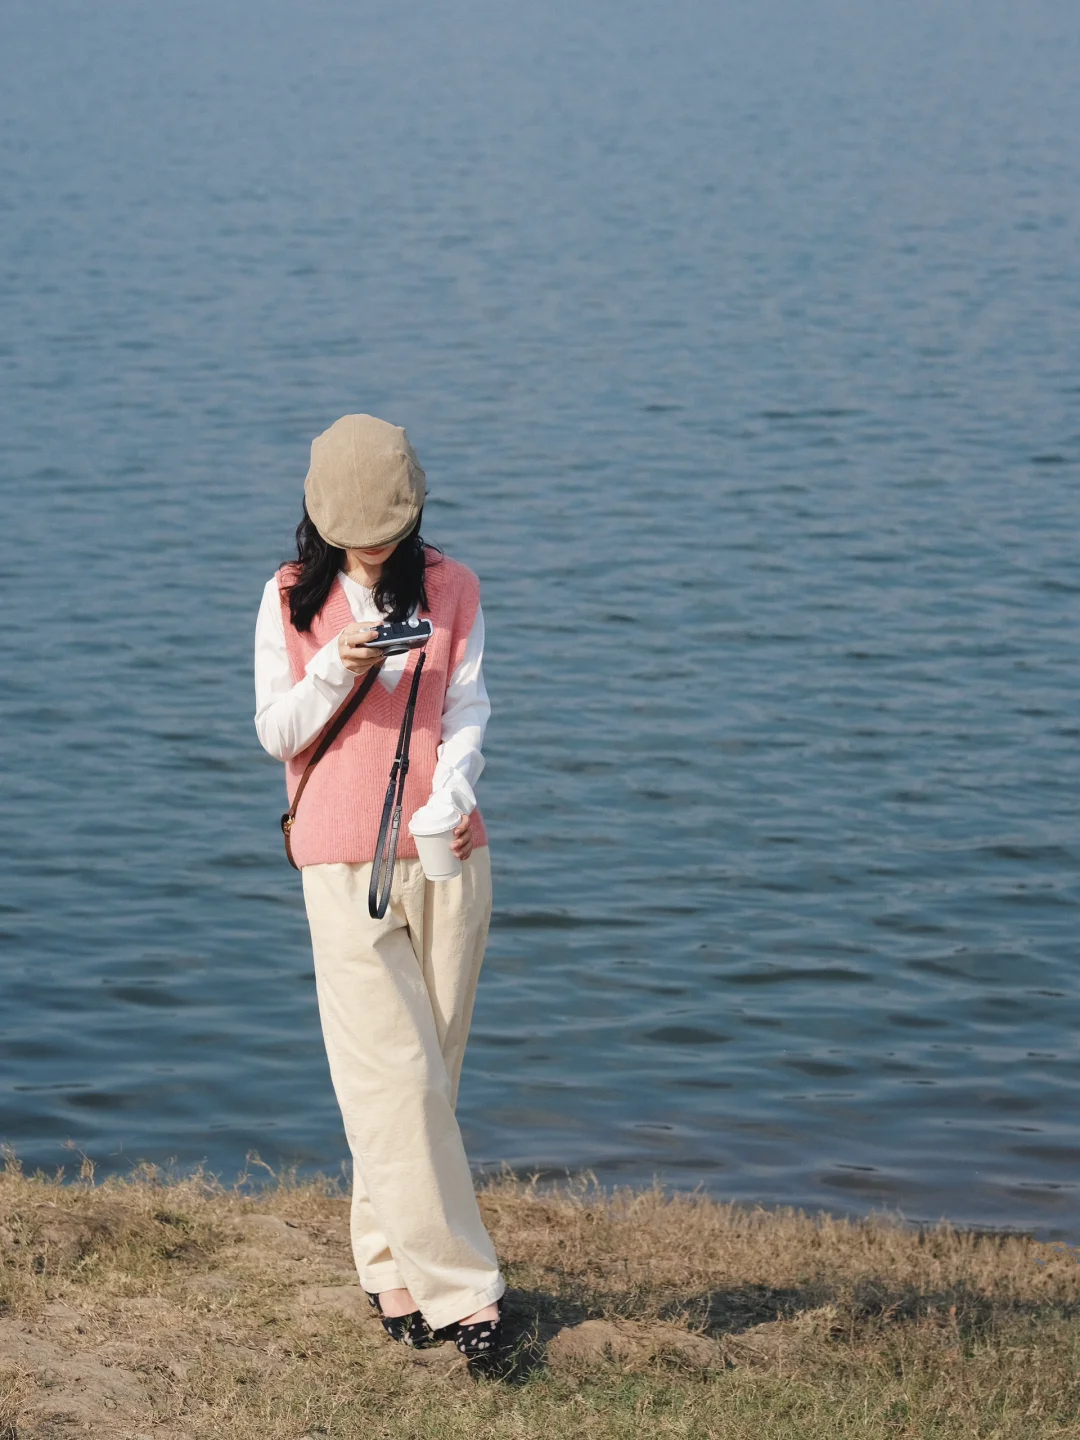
(289, 716)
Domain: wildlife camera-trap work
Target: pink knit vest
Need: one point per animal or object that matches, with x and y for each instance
(339, 812)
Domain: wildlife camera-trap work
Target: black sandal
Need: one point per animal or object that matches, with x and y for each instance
(411, 1329)
(479, 1341)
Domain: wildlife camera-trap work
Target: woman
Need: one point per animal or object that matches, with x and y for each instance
(395, 994)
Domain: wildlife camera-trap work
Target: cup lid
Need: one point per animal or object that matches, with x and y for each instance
(437, 817)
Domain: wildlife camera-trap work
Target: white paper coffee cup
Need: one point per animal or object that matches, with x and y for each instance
(437, 860)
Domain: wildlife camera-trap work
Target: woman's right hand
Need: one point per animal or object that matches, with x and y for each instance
(355, 655)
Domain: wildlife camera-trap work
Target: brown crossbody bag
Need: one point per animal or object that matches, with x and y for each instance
(334, 730)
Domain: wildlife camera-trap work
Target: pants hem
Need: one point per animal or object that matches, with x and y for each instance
(383, 1276)
(449, 1311)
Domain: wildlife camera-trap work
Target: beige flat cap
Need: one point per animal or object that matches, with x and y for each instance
(364, 487)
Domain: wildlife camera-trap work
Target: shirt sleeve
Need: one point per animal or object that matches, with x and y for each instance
(288, 717)
(466, 709)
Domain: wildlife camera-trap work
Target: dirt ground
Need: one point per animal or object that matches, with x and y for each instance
(148, 1307)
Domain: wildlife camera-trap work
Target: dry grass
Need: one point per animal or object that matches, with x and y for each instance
(182, 1308)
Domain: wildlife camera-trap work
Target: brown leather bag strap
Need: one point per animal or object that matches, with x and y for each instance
(333, 731)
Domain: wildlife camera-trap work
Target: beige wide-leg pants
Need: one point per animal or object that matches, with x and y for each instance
(395, 1000)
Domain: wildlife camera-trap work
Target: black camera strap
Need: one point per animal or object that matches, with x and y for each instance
(382, 867)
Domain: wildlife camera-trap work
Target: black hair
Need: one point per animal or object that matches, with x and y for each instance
(398, 589)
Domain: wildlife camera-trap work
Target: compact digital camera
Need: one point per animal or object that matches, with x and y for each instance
(402, 635)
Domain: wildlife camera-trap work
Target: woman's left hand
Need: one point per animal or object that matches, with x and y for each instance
(462, 844)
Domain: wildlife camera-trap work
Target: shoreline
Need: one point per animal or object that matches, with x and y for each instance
(179, 1307)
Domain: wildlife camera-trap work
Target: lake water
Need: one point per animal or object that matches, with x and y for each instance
(741, 345)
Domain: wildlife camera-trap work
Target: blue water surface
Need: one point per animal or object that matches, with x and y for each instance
(740, 345)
